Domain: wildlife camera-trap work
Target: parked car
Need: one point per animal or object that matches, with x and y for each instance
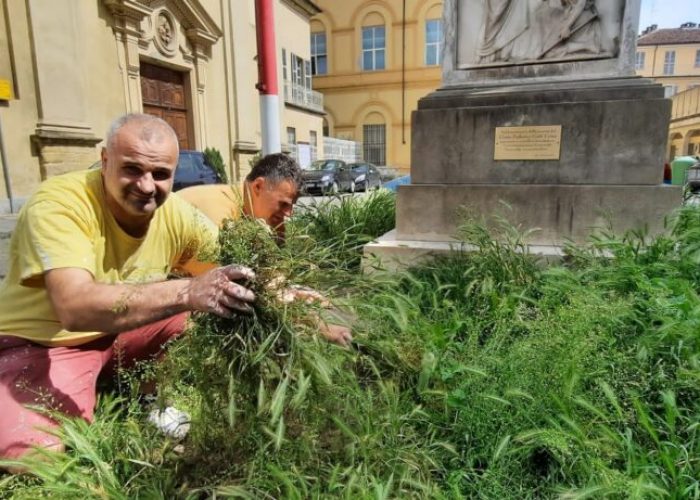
(394, 184)
(366, 176)
(328, 177)
(193, 169)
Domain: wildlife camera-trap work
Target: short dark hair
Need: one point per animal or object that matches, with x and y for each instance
(275, 168)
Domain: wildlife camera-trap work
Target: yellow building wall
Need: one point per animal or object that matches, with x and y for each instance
(94, 83)
(685, 74)
(289, 26)
(353, 97)
(684, 130)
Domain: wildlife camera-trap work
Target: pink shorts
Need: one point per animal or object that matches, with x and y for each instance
(65, 379)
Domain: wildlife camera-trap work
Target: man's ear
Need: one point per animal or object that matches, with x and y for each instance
(103, 157)
(257, 186)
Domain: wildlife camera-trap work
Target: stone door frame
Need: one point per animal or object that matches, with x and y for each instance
(177, 34)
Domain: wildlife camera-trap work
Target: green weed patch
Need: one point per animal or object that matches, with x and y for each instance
(479, 375)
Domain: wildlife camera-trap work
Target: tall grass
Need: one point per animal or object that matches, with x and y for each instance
(480, 375)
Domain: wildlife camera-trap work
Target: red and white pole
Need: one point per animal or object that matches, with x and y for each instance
(267, 77)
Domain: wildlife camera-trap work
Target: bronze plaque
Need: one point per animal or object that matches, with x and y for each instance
(528, 143)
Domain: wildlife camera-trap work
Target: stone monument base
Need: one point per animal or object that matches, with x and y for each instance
(388, 253)
(598, 166)
(557, 213)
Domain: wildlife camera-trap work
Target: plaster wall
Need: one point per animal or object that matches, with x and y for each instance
(351, 95)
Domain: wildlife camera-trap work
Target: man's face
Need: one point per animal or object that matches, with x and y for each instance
(273, 202)
(138, 171)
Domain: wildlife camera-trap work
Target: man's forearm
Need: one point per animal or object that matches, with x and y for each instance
(118, 308)
(81, 304)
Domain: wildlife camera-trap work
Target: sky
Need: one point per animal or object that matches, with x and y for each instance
(669, 13)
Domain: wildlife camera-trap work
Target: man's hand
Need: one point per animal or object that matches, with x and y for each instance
(217, 292)
(335, 333)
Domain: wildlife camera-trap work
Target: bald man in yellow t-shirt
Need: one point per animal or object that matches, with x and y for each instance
(86, 289)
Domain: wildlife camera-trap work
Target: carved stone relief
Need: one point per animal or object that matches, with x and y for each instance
(510, 32)
(165, 33)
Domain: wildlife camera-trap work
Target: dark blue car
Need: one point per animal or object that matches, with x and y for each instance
(193, 169)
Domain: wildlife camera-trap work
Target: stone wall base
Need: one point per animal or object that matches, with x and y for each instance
(559, 213)
(61, 152)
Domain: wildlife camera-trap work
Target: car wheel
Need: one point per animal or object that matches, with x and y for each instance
(352, 186)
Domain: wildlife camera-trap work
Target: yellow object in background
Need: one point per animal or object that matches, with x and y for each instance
(5, 90)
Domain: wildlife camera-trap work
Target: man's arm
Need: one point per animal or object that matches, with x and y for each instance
(82, 304)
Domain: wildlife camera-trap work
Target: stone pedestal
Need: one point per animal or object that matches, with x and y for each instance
(609, 171)
(582, 139)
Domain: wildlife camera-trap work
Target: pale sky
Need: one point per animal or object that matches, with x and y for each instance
(669, 13)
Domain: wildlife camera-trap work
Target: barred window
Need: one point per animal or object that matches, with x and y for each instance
(669, 62)
(374, 143)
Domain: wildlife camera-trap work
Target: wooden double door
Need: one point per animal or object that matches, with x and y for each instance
(163, 94)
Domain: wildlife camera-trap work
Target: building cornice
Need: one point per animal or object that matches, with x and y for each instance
(305, 7)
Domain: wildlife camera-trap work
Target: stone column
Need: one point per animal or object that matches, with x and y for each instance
(64, 139)
(201, 48)
(127, 32)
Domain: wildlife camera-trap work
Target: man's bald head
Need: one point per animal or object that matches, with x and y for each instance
(150, 129)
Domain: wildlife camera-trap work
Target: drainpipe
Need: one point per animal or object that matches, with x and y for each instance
(6, 172)
(267, 77)
(403, 73)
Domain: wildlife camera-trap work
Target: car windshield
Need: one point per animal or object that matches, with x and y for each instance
(322, 165)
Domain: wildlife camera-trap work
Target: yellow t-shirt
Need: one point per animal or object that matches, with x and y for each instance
(216, 201)
(67, 224)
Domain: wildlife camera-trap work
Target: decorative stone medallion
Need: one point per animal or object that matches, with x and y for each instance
(165, 33)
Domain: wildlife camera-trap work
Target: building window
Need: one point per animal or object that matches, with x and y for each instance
(433, 41)
(307, 75)
(297, 70)
(669, 62)
(284, 65)
(374, 143)
(319, 57)
(291, 135)
(697, 58)
(670, 90)
(640, 60)
(313, 138)
(373, 47)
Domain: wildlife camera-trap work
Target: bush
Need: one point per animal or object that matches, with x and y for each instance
(214, 158)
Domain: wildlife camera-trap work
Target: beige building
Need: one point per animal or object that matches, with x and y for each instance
(670, 56)
(373, 60)
(684, 129)
(71, 66)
